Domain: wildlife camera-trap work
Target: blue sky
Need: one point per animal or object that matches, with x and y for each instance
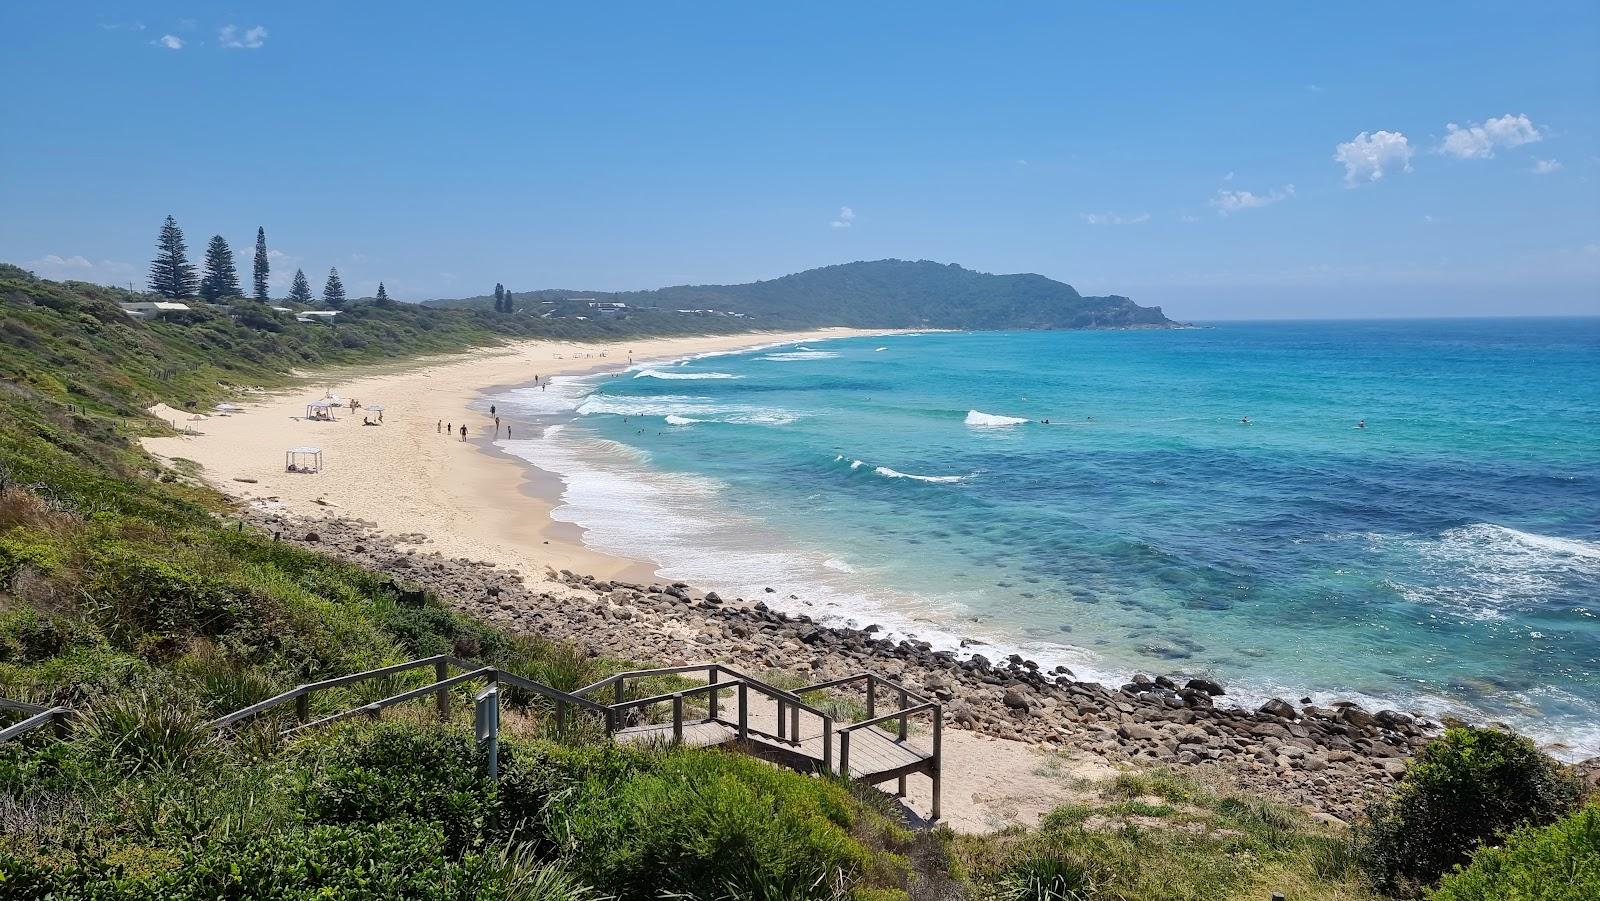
(1222, 160)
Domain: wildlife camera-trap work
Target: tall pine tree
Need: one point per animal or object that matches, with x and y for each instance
(300, 291)
(383, 296)
(171, 273)
(221, 280)
(333, 290)
(510, 305)
(499, 297)
(263, 266)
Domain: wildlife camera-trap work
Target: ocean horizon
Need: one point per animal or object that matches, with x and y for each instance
(1403, 513)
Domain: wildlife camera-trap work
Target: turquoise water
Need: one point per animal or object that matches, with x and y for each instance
(1446, 556)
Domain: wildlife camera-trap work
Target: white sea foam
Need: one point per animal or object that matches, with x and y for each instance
(802, 354)
(879, 349)
(675, 419)
(562, 394)
(990, 420)
(857, 464)
(684, 376)
(703, 409)
(1482, 570)
(889, 473)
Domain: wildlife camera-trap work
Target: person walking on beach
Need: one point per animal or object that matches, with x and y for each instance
(449, 428)
(463, 431)
(497, 427)
(438, 427)
(491, 413)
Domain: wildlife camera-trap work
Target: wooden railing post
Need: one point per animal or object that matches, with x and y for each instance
(794, 725)
(938, 758)
(872, 696)
(677, 718)
(622, 689)
(744, 711)
(783, 721)
(711, 705)
(441, 672)
(844, 753)
(561, 718)
(302, 707)
(905, 701)
(827, 743)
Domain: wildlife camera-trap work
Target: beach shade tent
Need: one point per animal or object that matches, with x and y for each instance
(302, 459)
(375, 408)
(319, 409)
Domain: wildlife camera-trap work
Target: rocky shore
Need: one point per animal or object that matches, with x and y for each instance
(1327, 759)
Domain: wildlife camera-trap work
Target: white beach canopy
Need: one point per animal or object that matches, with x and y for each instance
(319, 406)
(311, 457)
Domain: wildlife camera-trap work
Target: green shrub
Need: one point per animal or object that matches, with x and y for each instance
(1559, 862)
(1464, 789)
(715, 826)
(147, 731)
(395, 771)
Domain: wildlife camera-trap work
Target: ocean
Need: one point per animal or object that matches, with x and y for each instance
(1198, 501)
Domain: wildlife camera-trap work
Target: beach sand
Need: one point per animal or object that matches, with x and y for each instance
(406, 476)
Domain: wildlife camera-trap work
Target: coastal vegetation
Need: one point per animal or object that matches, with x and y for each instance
(132, 594)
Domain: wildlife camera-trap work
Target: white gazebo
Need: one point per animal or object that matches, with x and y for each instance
(302, 459)
(320, 409)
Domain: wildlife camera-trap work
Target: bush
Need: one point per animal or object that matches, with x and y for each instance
(148, 732)
(1560, 862)
(1464, 789)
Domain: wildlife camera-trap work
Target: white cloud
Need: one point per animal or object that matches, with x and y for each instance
(247, 39)
(1186, 217)
(81, 268)
(1228, 201)
(1368, 157)
(170, 41)
(845, 219)
(1546, 167)
(1478, 142)
(1115, 218)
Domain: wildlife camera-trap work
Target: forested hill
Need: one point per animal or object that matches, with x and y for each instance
(879, 294)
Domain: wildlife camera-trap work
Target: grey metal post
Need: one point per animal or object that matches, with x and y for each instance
(712, 705)
(486, 722)
(441, 671)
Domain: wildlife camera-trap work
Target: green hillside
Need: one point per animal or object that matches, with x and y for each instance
(880, 294)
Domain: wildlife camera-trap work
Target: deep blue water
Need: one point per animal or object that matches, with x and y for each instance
(1445, 556)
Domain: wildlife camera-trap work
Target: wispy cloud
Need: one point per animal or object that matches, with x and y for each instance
(845, 219)
(1479, 142)
(122, 26)
(1546, 167)
(234, 37)
(1115, 218)
(169, 41)
(1228, 202)
(81, 268)
(1368, 157)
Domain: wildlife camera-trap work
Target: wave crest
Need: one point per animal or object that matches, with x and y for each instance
(683, 376)
(990, 420)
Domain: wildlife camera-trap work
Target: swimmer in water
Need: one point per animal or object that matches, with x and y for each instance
(1244, 420)
(1362, 424)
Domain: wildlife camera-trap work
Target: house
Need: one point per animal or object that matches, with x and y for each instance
(152, 309)
(316, 316)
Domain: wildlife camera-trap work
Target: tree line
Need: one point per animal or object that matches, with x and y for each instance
(174, 277)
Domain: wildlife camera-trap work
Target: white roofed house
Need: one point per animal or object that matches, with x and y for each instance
(316, 316)
(152, 309)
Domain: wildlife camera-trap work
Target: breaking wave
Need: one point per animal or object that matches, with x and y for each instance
(989, 420)
(683, 376)
(802, 354)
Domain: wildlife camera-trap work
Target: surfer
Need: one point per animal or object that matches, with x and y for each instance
(1244, 420)
(1362, 424)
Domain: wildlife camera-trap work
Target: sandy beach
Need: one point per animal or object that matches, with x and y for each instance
(406, 476)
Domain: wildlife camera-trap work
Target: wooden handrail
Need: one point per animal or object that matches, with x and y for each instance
(909, 711)
(687, 692)
(23, 706)
(44, 717)
(375, 706)
(335, 682)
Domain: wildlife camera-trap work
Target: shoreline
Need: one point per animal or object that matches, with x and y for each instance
(407, 480)
(479, 517)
